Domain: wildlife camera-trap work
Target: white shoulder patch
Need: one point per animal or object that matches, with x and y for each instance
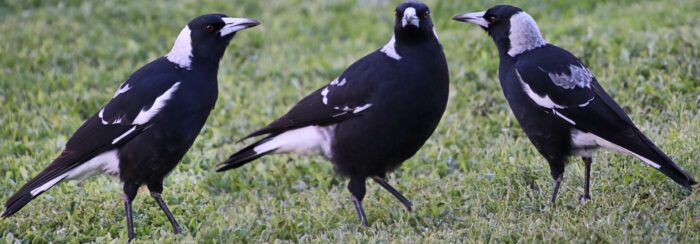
(580, 77)
(146, 114)
(524, 34)
(543, 101)
(181, 53)
(390, 49)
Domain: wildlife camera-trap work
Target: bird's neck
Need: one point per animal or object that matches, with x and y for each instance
(524, 35)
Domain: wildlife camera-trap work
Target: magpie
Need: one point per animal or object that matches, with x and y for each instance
(153, 118)
(372, 117)
(558, 102)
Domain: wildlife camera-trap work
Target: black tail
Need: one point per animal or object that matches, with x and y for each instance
(648, 150)
(244, 156)
(48, 178)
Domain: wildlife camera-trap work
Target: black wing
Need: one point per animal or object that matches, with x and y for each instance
(559, 83)
(345, 97)
(124, 117)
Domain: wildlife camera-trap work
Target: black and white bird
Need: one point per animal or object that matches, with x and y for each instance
(559, 103)
(142, 133)
(372, 117)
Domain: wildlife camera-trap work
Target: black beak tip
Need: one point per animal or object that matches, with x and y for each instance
(252, 23)
(459, 18)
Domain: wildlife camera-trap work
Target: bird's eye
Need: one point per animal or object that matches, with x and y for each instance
(426, 14)
(492, 19)
(398, 14)
(210, 28)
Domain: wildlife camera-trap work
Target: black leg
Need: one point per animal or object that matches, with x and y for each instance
(382, 182)
(557, 183)
(165, 209)
(130, 191)
(587, 161)
(357, 189)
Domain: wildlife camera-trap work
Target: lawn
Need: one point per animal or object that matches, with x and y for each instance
(478, 179)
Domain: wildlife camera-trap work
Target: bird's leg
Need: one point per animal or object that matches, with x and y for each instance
(587, 161)
(358, 189)
(382, 182)
(168, 214)
(557, 183)
(156, 188)
(130, 191)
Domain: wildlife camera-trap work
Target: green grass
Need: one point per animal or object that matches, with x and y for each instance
(477, 179)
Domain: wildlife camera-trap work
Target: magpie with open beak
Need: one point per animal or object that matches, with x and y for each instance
(559, 103)
(372, 117)
(143, 132)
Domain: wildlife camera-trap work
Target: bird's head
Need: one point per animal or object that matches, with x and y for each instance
(513, 30)
(413, 22)
(206, 38)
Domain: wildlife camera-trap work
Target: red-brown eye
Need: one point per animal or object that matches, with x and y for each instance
(210, 28)
(426, 14)
(492, 19)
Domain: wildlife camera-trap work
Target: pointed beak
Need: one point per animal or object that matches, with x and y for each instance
(236, 24)
(410, 17)
(476, 18)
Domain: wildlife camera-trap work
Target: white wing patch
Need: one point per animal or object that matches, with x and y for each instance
(543, 101)
(123, 135)
(583, 140)
(390, 49)
(107, 162)
(122, 89)
(324, 94)
(344, 109)
(587, 102)
(146, 114)
(361, 108)
(302, 141)
(524, 34)
(579, 77)
(181, 53)
(563, 117)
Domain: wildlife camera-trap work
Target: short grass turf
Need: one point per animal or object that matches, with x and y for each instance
(477, 179)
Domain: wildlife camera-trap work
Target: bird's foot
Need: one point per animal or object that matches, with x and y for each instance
(584, 198)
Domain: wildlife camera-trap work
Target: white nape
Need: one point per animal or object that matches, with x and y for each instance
(579, 77)
(107, 163)
(302, 141)
(524, 34)
(181, 53)
(146, 114)
(390, 49)
(543, 101)
(585, 143)
(436, 35)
